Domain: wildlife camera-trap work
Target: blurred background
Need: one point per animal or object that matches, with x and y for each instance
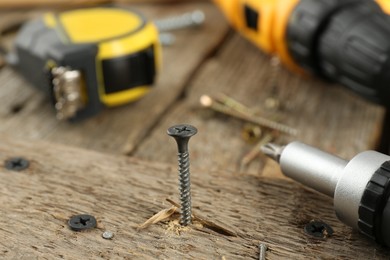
(210, 61)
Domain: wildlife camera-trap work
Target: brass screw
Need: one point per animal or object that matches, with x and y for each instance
(241, 108)
(233, 104)
(251, 133)
(207, 101)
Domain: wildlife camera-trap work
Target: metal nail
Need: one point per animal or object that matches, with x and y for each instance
(262, 249)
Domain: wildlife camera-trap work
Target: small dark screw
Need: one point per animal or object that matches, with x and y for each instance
(81, 222)
(17, 164)
(182, 134)
(318, 229)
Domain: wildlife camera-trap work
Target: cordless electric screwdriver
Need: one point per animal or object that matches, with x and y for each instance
(360, 187)
(344, 41)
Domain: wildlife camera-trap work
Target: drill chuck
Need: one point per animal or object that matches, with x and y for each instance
(342, 41)
(360, 187)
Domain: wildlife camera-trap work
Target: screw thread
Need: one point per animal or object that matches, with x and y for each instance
(182, 134)
(185, 188)
(275, 125)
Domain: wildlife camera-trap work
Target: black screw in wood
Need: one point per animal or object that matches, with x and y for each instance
(182, 134)
(318, 229)
(17, 164)
(81, 222)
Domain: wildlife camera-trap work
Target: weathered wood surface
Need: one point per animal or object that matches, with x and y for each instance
(24, 112)
(25, 4)
(123, 192)
(327, 116)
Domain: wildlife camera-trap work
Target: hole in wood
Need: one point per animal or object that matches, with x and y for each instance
(15, 109)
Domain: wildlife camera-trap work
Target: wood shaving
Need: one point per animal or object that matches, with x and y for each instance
(160, 216)
(208, 224)
(175, 227)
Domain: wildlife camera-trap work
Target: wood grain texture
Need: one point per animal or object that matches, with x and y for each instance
(327, 116)
(121, 129)
(123, 192)
(24, 4)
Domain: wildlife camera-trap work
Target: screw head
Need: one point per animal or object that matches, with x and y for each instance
(182, 134)
(182, 131)
(81, 222)
(318, 229)
(17, 164)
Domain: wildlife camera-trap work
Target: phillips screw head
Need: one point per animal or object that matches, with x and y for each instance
(318, 229)
(81, 222)
(182, 134)
(17, 164)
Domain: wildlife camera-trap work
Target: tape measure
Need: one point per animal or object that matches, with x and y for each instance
(88, 59)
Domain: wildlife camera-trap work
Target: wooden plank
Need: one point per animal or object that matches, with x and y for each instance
(123, 192)
(6, 4)
(115, 130)
(23, 4)
(327, 116)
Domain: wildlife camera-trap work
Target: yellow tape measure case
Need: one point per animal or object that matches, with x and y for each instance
(93, 57)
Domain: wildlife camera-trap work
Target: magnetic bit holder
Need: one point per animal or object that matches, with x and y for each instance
(360, 187)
